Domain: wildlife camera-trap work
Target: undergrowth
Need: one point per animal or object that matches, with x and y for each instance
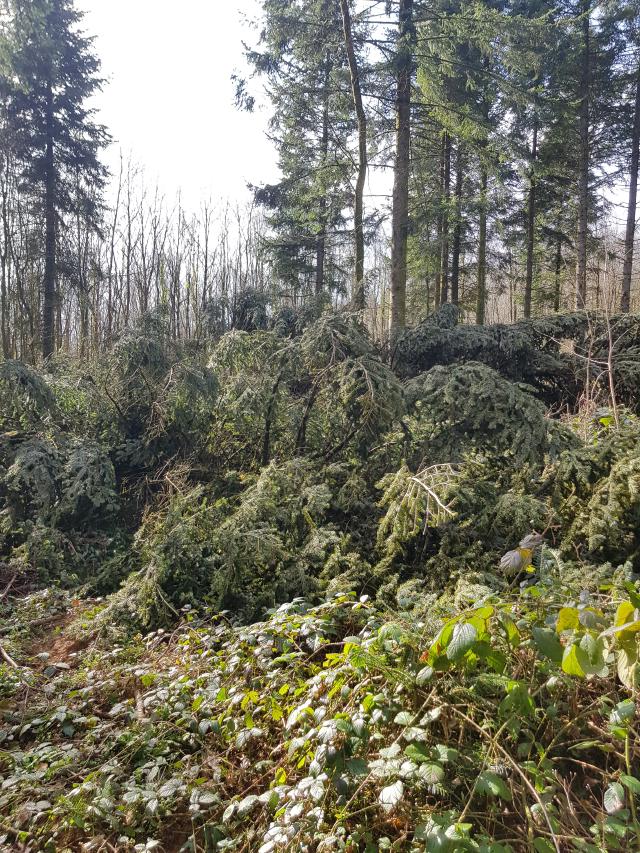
(182, 667)
(498, 727)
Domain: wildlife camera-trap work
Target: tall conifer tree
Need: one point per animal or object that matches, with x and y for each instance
(49, 73)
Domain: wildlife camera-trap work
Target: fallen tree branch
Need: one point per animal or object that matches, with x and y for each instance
(7, 657)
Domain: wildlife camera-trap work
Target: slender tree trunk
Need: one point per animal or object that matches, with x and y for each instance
(583, 162)
(4, 258)
(128, 250)
(359, 295)
(83, 295)
(625, 301)
(531, 221)
(439, 222)
(400, 202)
(49, 283)
(112, 251)
(457, 230)
(512, 301)
(4, 308)
(558, 270)
(444, 262)
(321, 241)
(481, 298)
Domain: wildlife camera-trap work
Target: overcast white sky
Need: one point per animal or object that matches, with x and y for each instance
(169, 98)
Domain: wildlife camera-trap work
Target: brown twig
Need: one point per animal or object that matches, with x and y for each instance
(7, 657)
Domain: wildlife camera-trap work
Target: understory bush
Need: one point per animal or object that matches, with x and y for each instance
(503, 724)
(272, 592)
(268, 464)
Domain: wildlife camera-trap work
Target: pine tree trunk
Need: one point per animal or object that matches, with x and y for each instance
(444, 253)
(583, 163)
(49, 283)
(558, 270)
(4, 308)
(482, 249)
(439, 223)
(4, 259)
(457, 230)
(359, 295)
(83, 296)
(625, 301)
(531, 222)
(400, 202)
(321, 241)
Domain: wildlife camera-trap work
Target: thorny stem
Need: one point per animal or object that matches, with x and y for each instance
(516, 767)
(627, 761)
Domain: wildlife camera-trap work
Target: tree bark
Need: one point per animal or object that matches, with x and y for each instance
(49, 283)
(531, 221)
(439, 221)
(558, 270)
(400, 202)
(4, 259)
(83, 289)
(625, 301)
(457, 230)
(482, 249)
(444, 252)
(358, 296)
(321, 241)
(583, 161)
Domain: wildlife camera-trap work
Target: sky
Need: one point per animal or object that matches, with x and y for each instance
(168, 99)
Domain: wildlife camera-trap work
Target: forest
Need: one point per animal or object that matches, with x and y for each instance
(320, 511)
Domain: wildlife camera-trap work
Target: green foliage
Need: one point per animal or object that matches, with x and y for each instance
(325, 394)
(556, 355)
(337, 725)
(296, 465)
(243, 554)
(32, 480)
(25, 396)
(595, 490)
(470, 409)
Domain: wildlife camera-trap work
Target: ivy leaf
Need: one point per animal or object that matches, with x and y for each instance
(568, 619)
(417, 752)
(391, 795)
(492, 785)
(548, 644)
(575, 661)
(403, 718)
(614, 798)
(425, 674)
(414, 733)
(247, 804)
(170, 788)
(316, 791)
(511, 629)
(204, 798)
(446, 753)
(431, 772)
(463, 637)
